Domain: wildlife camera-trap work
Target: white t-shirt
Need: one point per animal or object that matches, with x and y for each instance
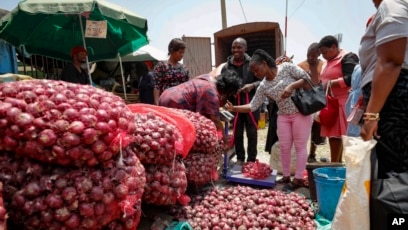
(389, 23)
(287, 74)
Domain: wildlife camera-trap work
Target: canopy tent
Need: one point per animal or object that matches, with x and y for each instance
(144, 53)
(51, 28)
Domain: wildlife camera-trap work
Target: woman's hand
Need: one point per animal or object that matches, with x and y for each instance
(229, 106)
(369, 130)
(287, 92)
(247, 88)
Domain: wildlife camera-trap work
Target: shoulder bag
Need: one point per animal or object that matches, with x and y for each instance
(311, 100)
(329, 114)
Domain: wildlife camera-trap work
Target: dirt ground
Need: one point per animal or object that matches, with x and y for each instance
(322, 151)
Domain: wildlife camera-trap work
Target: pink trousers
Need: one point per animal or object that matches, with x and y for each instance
(294, 129)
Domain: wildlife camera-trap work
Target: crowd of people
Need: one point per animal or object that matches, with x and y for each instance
(377, 78)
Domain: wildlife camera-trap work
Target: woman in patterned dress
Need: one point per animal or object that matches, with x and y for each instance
(170, 73)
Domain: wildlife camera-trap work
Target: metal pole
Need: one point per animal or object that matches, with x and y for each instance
(286, 26)
(223, 14)
(123, 77)
(83, 41)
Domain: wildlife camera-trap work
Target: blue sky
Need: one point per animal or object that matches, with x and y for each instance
(308, 20)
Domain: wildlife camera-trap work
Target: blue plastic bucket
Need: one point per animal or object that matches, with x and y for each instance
(329, 183)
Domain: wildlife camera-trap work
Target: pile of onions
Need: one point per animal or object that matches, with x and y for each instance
(206, 133)
(154, 139)
(256, 170)
(244, 207)
(165, 184)
(44, 196)
(3, 211)
(62, 123)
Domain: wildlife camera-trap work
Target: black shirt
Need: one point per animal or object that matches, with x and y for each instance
(71, 74)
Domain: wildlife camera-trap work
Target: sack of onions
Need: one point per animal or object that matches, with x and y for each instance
(206, 132)
(3, 211)
(129, 222)
(165, 184)
(244, 207)
(43, 196)
(154, 139)
(201, 168)
(63, 123)
(185, 129)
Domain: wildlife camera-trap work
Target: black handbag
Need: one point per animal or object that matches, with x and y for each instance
(311, 100)
(388, 197)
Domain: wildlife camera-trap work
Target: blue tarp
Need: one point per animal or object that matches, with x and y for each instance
(8, 58)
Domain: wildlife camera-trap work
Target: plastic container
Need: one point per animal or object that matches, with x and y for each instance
(310, 167)
(262, 121)
(329, 183)
(179, 226)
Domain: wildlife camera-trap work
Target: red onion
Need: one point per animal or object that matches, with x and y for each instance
(47, 137)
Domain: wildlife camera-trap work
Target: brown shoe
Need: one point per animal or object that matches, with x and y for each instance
(293, 185)
(283, 180)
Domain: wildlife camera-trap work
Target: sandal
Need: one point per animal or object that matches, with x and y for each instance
(283, 180)
(293, 185)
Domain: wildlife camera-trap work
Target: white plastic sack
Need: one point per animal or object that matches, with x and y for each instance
(352, 211)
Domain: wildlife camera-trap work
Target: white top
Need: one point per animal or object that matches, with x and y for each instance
(389, 23)
(287, 74)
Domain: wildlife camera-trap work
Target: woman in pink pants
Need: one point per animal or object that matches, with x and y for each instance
(279, 82)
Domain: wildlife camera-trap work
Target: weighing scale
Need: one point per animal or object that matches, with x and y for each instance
(234, 173)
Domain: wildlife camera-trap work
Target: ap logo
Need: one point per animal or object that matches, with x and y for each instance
(398, 221)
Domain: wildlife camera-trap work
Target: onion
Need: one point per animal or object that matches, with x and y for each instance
(71, 114)
(13, 113)
(98, 147)
(32, 189)
(47, 137)
(74, 153)
(18, 103)
(54, 201)
(96, 193)
(10, 143)
(121, 191)
(89, 120)
(60, 126)
(76, 127)
(86, 209)
(89, 136)
(73, 221)
(62, 214)
(4, 107)
(102, 115)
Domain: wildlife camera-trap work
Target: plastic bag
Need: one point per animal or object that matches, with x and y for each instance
(353, 208)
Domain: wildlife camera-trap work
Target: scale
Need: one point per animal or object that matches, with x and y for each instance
(234, 173)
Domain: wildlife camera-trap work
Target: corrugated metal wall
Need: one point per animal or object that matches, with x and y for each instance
(197, 57)
(259, 35)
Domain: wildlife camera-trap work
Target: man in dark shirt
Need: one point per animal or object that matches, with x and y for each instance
(239, 63)
(73, 72)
